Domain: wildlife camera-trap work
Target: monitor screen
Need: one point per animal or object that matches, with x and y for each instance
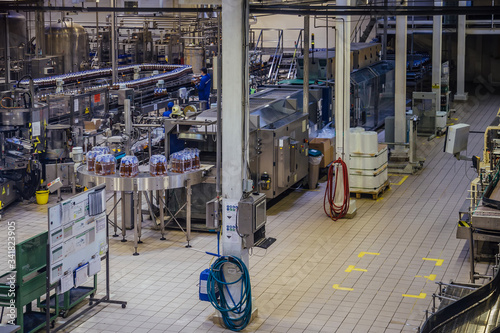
(260, 214)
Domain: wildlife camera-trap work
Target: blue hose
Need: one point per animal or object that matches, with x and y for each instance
(238, 316)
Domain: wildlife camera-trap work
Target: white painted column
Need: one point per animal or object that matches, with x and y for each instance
(437, 43)
(233, 111)
(343, 98)
(342, 84)
(461, 95)
(400, 81)
(114, 54)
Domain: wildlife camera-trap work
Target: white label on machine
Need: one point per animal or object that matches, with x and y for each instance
(155, 107)
(75, 105)
(230, 221)
(203, 287)
(36, 128)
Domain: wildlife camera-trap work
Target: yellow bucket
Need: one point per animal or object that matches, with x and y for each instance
(42, 197)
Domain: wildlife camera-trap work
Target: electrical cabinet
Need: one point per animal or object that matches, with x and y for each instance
(284, 157)
(252, 218)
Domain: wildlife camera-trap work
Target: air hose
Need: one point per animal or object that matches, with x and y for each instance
(333, 210)
(236, 316)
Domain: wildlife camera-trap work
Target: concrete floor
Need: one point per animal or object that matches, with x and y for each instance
(297, 283)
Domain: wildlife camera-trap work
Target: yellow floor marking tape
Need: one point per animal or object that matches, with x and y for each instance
(421, 296)
(401, 181)
(336, 286)
(431, 277)
(362, 254)
(439, 262)
(351, 268)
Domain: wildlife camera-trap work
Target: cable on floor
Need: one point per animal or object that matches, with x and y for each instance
(333, 210)
(236, 315)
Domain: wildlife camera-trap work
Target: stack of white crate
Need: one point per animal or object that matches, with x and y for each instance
(368, 163)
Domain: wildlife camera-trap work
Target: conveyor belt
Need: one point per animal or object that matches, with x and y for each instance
(171, 72)
(476, 312)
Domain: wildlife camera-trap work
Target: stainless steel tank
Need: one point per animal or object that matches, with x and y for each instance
(194, 56)
(70, 40)
(17, 35)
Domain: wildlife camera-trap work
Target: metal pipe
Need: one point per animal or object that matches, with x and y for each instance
(471, 255)
(161, 207)
(139, 226)
(124, 228)
(115, 216)
(40, 30)
(189, 192)
(292, 10)
(113, 43)
(128, 123)
(137, 220)
(98, 51)
(305, 85)
(7, 49)
(328, 72)
(150, 143)
(384, 36)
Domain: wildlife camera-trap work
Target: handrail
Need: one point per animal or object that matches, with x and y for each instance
(276, 55)
(448, 314)
(354, 32)
(293, 65)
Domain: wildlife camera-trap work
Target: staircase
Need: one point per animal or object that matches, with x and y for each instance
(271, 64)
(368, 30)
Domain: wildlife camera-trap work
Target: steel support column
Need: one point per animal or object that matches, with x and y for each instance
(400, 81)
(461, 95)
(437, 46)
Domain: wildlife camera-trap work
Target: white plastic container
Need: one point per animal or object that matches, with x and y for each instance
(77, 154)
(355, 139)
(367, 180)
(369, 142)
(440, 119)
(368, 161)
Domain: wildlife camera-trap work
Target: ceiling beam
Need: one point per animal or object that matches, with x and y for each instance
(283, 10)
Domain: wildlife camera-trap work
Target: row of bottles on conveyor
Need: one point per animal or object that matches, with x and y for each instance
(185, 160)
(103, 163)
(96, 73)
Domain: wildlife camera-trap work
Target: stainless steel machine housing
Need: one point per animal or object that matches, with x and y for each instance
(71, 40)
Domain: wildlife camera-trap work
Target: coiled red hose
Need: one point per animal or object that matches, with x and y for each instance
(334, 211)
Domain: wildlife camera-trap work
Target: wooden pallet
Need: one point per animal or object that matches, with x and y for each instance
(374, 193)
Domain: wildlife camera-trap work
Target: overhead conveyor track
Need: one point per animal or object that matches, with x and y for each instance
(171, 72)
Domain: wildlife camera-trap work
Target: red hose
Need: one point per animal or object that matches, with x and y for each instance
(334, 211)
